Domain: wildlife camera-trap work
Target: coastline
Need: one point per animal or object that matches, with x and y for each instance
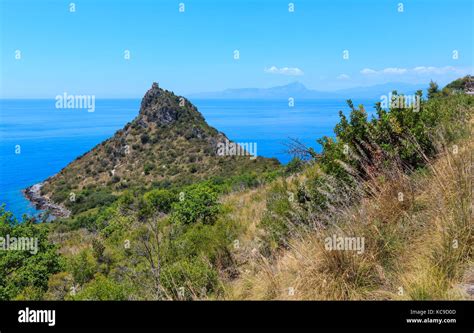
(33, 194)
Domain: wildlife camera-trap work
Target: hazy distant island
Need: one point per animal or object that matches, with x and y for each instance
(298, 90)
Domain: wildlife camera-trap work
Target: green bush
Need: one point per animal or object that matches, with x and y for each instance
(102, 289)
(144, 138)
(90, 198)
(159, 200)
(433, 89)
(24, 274)
(82, 267)
(197, 203)
(189, 279)
(85, 220)
(147, 168)
(210, 241)
(277, 219)
(400, 133)
(294, 166)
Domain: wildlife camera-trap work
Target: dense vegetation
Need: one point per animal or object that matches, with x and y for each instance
(23, 274)
(400, 179)
(401, 138)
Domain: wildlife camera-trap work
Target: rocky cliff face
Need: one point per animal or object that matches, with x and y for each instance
(161, 107)
(169, 142)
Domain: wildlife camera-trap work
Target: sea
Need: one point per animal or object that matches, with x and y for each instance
(37, 139)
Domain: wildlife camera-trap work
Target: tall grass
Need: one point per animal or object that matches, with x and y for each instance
(416, 225)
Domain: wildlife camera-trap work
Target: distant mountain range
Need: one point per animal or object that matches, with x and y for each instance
(298, 90)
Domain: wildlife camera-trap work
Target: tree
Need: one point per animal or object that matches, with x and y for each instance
(24, 273)
(432, 90)
(159, 200)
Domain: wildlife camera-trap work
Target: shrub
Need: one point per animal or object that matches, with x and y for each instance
(144, 138)
(59, 286)
(24, 274)
(82, 267)
(294, 166)
(85, 220)
(205, 240)
(88, 199)
(189, 279)
(199, 203)
(433, 89)
(102, 289)
(277, 220)
(147, 168)
(159, 200)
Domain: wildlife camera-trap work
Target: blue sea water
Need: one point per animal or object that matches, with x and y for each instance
(50, 138)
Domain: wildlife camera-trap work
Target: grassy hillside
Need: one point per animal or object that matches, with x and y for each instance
(417, 248)
(400, 184)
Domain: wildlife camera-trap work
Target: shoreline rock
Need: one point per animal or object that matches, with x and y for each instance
(33, 194)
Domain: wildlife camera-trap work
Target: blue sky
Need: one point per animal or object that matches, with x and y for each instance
(82, 52)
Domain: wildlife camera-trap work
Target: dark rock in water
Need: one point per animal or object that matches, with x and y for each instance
(33, 194)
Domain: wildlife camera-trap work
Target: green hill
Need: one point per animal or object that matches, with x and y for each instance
(168, 144)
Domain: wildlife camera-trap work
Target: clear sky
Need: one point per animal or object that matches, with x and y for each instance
(83, 52)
